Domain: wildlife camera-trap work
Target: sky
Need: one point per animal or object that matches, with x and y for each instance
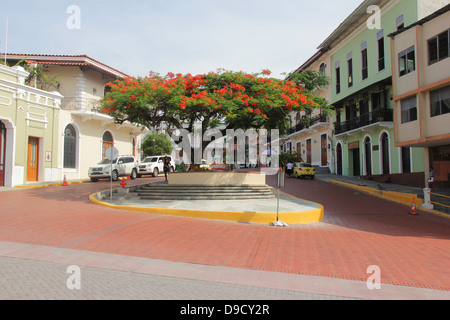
(180, 36)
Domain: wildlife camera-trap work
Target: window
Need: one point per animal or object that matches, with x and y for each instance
(409, 109)
(323, 68)
(364, 61)
(70, 147)
(107, 143)
(338, 79)
(350, 69)
(380, 41)
(440, 101)
(438, 47)
(407, 61)
(400, 22)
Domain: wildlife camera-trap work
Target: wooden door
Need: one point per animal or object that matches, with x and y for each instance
(324, 150)
(2, 153)
(33, 159)
(308, 151)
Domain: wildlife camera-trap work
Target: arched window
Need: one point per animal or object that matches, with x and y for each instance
(70, 147)
(368, 155)
(385, 153)
(323, 68)
(108, 142)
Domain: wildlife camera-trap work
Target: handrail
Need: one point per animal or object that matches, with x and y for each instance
(364, 120)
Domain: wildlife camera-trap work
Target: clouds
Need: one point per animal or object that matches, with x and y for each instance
(186, 36)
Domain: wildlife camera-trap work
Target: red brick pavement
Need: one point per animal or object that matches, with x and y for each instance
(358, 231)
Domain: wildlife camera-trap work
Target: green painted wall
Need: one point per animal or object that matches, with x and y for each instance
(409, 9)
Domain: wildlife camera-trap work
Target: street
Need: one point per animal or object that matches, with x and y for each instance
(358, 231)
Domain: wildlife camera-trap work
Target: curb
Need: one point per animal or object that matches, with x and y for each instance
(308, 216)
(50, 184)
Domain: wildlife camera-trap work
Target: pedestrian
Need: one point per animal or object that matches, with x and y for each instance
(431, 178)
(166, 166)
(289, 168)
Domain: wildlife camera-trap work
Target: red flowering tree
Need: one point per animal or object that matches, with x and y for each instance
(235, 99)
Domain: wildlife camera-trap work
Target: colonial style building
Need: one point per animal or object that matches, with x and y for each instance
(83, 133)
(29, 122)
(421, 95)
(362, 92)
(311, 134)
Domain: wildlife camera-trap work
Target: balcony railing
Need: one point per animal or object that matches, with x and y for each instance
(306, 123)
(364, 120)
(73, 103)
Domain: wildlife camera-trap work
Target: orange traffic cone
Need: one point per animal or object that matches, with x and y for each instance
(413, 208)
(65, 182)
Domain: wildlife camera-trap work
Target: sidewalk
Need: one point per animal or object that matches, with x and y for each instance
(394, 192)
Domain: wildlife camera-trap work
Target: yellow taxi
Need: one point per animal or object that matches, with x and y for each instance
(303, 169)
(205, 165)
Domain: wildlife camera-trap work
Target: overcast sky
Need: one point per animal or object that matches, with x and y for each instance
(180, 36)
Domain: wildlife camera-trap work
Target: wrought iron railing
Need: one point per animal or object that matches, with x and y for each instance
(305, 123)
(364, 120)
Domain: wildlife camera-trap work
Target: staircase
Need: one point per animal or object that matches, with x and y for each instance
(157, 191)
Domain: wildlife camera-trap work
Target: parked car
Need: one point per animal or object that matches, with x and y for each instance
(154, 165)
(123, 166)
(303, 169)
(205, 165)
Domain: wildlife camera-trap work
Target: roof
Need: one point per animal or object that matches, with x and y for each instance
(67, 60)
(422, 21)
(309, 62)
(350, 23)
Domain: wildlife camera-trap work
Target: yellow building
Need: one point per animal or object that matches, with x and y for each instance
(84, 134)
(421, 91)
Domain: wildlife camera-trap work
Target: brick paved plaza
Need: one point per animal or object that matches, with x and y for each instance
(132, 255)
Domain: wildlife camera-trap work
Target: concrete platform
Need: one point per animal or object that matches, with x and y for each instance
(290, 209)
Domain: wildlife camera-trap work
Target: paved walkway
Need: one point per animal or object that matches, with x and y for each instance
(54, 227)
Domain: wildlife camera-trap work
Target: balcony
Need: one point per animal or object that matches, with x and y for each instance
(77, 103)
(308, 122)
(385, 115)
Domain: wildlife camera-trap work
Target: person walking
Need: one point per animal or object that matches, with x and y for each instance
(289, 168)
(166, 167)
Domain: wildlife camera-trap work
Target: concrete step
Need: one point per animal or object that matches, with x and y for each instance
(196, 192)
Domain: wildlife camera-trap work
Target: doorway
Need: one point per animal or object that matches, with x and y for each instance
(356, 162)
(308, 151)
(339, 159)
(33, 159)
(2, 153)
(324, 150)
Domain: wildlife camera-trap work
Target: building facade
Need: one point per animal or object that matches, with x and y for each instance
(362, 92)
(310, 135)
(84, 134)
(421, 95)
(29, 122)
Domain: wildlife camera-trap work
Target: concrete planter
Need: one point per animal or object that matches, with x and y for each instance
(217, 178)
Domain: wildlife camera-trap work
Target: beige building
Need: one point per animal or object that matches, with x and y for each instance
(84, 134)
(311, 134)
(421, 90)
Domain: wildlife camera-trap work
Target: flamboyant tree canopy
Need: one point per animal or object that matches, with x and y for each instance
(234, 99)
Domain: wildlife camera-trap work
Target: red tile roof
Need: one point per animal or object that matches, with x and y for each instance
(67, 60)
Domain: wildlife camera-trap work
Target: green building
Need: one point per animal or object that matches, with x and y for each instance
(361, 80)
